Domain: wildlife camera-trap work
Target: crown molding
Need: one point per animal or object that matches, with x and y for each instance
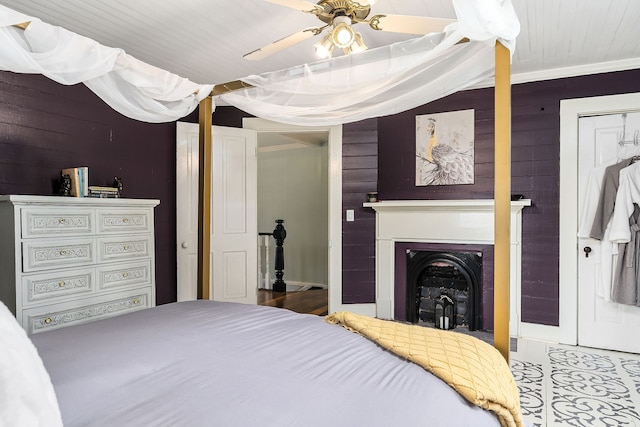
(561, 73)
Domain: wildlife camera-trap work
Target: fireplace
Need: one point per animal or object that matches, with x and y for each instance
(444, 288)
(460, 225)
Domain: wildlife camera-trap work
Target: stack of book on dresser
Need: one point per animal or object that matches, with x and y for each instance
(104, 192)
(78, 179)
(75, 182)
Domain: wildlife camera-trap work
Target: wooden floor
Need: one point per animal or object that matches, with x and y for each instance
(312, 301)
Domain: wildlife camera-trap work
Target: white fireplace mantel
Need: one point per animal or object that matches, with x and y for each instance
(440, 221)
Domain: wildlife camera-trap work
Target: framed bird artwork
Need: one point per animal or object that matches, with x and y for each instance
(445, 148)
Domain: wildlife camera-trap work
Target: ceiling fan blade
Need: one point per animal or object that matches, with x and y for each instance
(302, 5)
(408, 24)
(283, 43)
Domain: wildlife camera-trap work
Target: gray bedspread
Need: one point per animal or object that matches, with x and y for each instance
(205, 363)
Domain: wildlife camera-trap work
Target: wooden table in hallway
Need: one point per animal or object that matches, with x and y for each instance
(312, 301)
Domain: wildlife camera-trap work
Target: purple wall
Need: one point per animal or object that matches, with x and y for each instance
(535, 168)
(45, 127)
(359, 176)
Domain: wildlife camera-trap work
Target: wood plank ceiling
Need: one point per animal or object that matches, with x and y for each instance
(204, 40)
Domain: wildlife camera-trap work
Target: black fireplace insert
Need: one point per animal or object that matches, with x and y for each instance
(452, 278)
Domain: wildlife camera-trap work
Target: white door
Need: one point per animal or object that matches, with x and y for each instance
(234, 217)
(187, 145)
(602, 323)
(233, 213)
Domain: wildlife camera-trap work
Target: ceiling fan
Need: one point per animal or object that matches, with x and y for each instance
(341, 15)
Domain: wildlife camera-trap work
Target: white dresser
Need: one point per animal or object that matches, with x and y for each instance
(68, 260)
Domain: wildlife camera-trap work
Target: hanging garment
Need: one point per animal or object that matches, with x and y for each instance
(591, 199)
(628, 194)
(625, 282)
(605, 252)
(624, 230)
(607, 199)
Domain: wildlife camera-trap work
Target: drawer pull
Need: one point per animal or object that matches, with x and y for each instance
(125, 220)
(125, 274)
(63, 252)
(48, 320)
(136, 301)
(126, 247)
(61, 284)
(62, 220)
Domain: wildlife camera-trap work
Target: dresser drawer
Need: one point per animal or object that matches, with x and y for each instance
(124, 248)
(123, 275)
(53, 317)
(38, 222)
(124, 221)
(38, 288)
(46, 254)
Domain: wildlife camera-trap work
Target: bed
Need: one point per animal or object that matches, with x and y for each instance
(200, 363)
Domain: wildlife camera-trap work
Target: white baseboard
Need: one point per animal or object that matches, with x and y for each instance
(306, 285)
(535, 332)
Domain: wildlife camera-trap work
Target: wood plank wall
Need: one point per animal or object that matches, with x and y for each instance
(359, 176)
(45, 126)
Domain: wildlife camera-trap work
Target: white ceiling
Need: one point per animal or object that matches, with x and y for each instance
(204, 40)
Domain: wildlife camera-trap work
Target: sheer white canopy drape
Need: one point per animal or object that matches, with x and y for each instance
(373, 83)
(129, 86)
(385, 80)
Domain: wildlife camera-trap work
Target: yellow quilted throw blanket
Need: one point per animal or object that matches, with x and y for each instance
(472, 367)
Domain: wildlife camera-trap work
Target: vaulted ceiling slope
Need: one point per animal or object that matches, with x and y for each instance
(205, 40)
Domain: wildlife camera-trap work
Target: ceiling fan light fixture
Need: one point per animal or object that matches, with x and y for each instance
(339, 18)
(342, 35)
(324, 48)
(357, 45)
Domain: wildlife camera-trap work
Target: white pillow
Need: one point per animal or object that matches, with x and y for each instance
(27, 397)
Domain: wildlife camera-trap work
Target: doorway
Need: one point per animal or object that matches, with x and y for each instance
(187, 190)
(272, 139)
(570, 113)
(605, 140)
(233, 251)
(292, 188)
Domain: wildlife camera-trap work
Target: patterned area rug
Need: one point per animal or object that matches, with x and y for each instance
(576, 386)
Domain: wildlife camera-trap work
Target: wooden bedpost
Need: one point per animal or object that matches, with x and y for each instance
(502, 210)
(205, 113)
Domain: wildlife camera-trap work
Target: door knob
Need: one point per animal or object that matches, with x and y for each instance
(587, 251)
(184, 245)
